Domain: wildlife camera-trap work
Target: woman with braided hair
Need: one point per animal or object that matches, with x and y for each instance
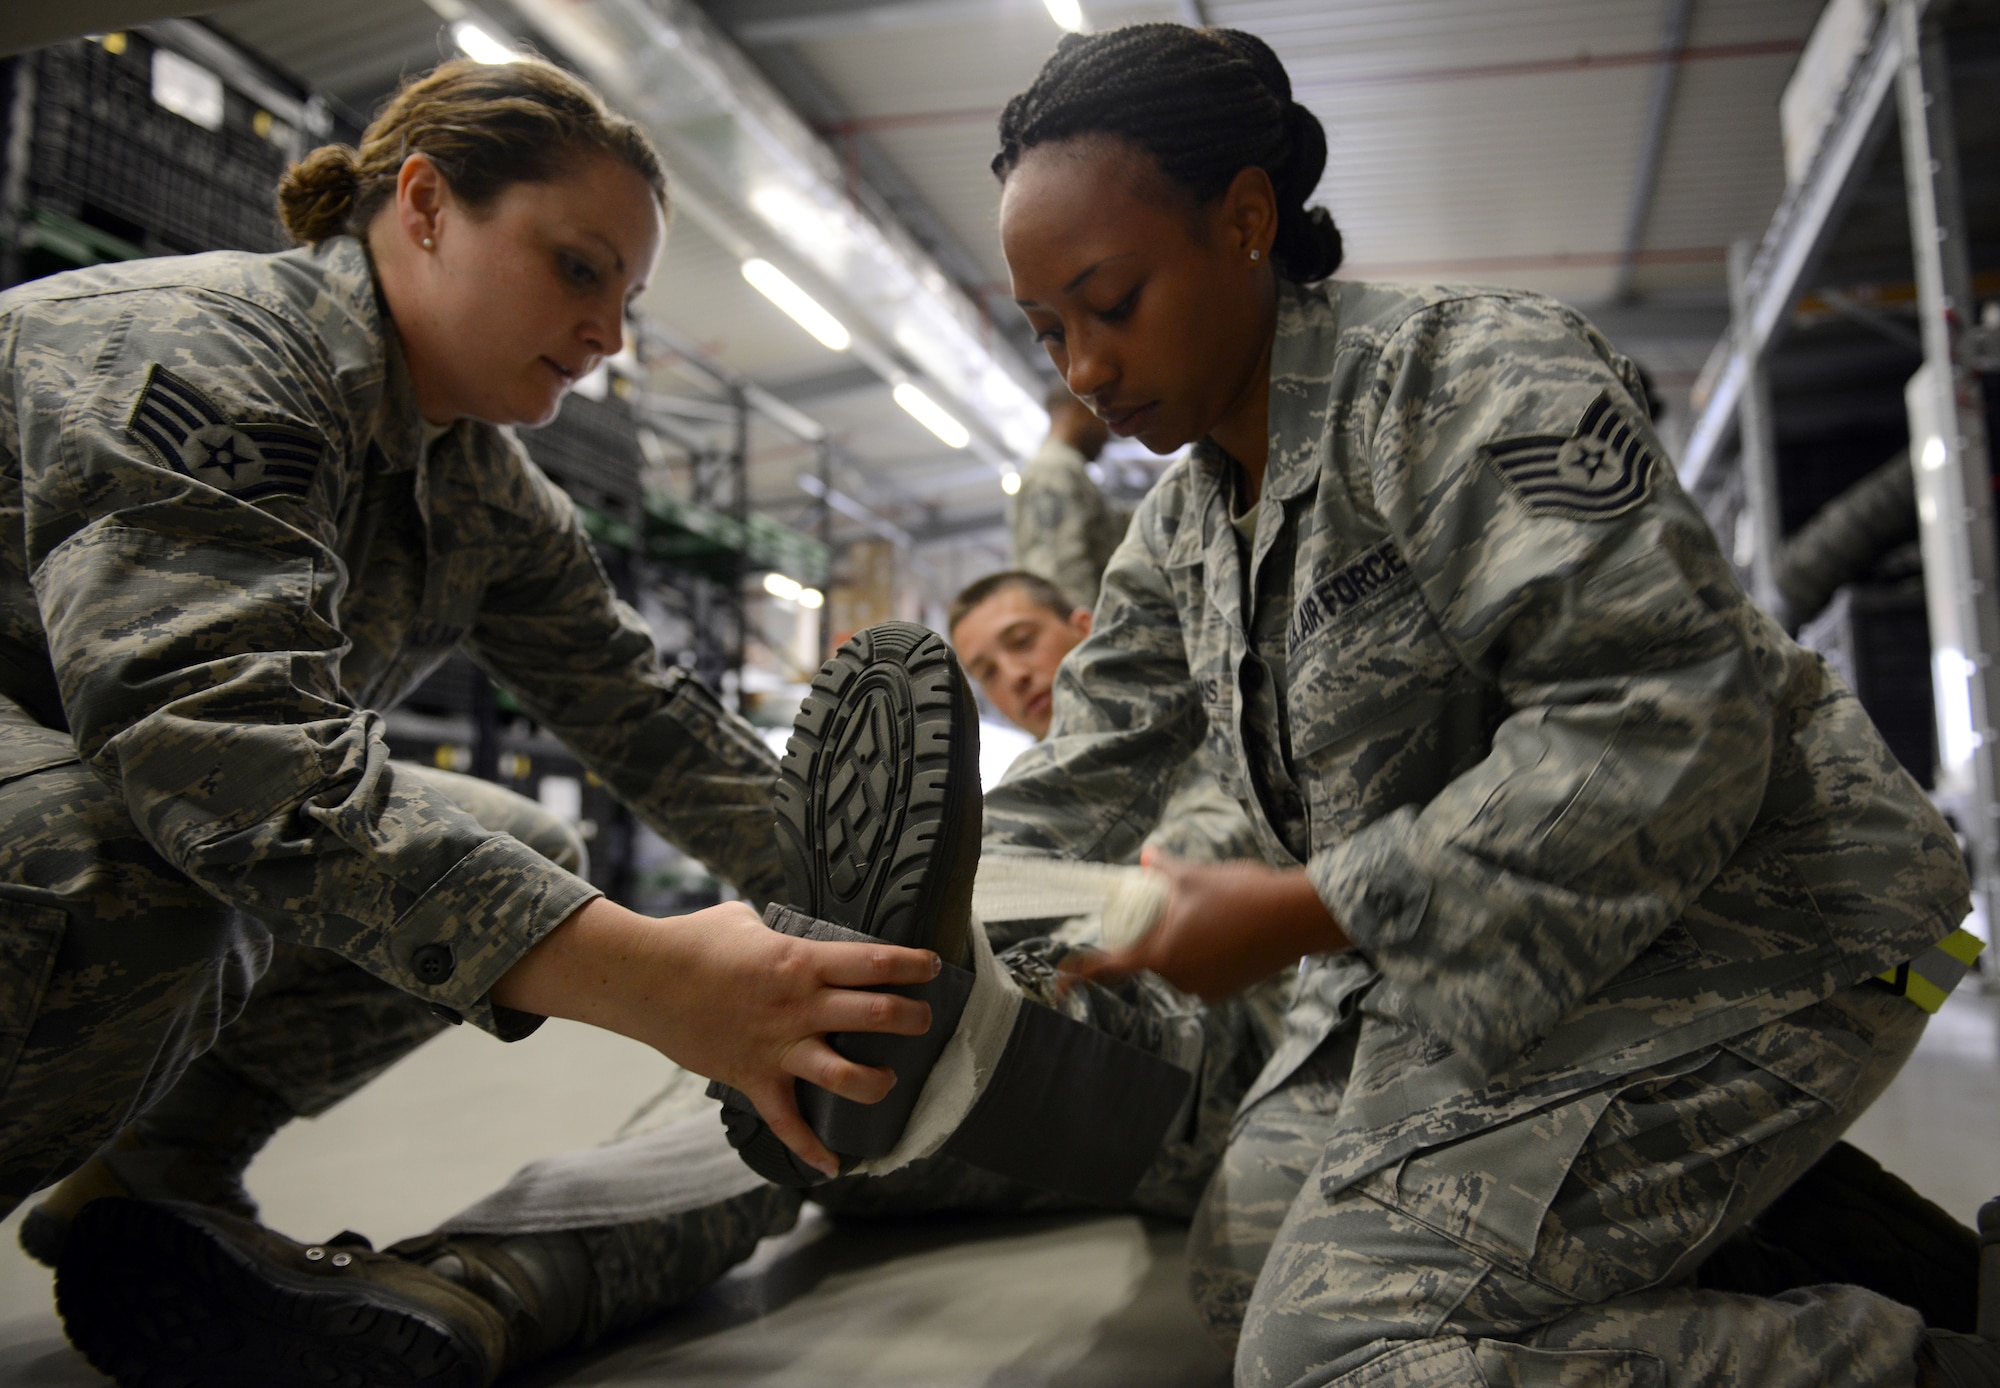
(1592, 868)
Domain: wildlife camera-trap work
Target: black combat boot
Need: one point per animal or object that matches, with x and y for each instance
(878, 795)
(1949, 1359)
(161, 1295)
(1848, 1220)
(193, 1145)
(878, 814)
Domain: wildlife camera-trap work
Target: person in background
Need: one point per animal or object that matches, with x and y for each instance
(1060, 526)
(1011, 631)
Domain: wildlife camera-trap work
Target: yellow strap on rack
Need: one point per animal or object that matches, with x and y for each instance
(1928, 979)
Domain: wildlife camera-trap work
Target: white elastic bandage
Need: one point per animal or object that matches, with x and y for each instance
(966, 1065)
(1125, 901)
(683, 1166)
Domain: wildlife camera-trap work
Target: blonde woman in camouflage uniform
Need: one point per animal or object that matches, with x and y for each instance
(1593, 868)
(246, 502)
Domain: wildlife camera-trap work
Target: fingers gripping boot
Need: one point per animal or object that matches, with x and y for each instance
(878, 826)
(160, 1295)
(193, 1145)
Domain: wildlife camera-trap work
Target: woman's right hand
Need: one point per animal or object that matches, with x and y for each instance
(725, 996)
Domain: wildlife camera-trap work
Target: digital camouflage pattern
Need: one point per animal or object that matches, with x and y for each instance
(1200, 822)
(224, 548)
(1061, 527)
(139, 971)
(1581, 807)
(216, 644)
(317, 1028)
(1556, 1249)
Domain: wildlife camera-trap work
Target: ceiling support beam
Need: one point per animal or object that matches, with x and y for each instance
(1652, 144)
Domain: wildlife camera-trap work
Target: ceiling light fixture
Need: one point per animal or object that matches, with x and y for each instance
(782, 587)
(1067, 13)
(803, 309)
(1010, 482)
(932, 415)
(479, 45)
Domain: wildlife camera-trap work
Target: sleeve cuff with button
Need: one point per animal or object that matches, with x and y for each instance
(476, 922)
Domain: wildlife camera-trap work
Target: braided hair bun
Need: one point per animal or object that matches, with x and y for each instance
(1205, 103)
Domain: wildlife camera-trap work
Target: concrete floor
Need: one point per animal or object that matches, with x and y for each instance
(1075, 1303)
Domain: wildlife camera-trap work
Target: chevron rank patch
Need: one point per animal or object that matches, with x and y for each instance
(183, 429)
(1604, 469)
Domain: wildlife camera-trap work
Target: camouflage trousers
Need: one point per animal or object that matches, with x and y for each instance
(643, 1267)
(116, 971)
(1557, 1248)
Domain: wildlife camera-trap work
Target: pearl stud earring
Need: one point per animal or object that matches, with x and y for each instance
(431, 245)
(1256, 255)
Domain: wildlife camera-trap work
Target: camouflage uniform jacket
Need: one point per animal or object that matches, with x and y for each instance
(1580, 806)
(1060, 526)
(223, 546)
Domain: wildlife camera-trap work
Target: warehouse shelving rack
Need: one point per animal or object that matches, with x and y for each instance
(96, 168)
(661, 481)
(1902, 79)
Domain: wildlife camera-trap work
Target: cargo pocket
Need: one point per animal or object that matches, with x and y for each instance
(1492, 1192)
(30, 936)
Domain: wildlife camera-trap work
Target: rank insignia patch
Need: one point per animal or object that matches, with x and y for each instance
(1604, 469)
(185, 431)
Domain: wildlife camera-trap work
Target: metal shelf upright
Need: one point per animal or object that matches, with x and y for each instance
(1903, 77)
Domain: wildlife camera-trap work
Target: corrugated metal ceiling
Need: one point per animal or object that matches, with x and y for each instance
(1469, 140)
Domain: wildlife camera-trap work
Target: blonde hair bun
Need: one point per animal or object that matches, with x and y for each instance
(486, 127)
(316, 195)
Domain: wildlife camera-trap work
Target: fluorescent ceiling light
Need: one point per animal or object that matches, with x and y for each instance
(804, 310)
(479, 45)
(1010, 482)
(779, 586)
(1068, 13)
(810, 598)
(932, 415)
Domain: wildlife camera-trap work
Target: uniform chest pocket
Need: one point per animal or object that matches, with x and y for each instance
(1382, 715)
(1385, 670)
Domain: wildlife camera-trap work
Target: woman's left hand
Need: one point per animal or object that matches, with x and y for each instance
(1226, 926)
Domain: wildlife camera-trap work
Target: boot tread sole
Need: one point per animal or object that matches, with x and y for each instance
(875, 827)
